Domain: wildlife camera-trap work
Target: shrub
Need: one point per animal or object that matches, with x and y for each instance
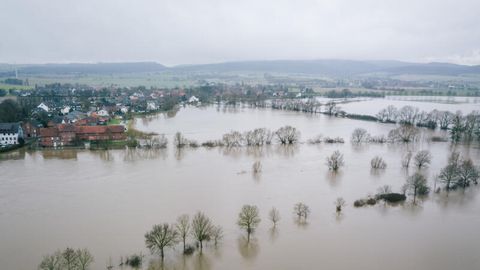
(333, 140)
(392, 197)
(378, 163)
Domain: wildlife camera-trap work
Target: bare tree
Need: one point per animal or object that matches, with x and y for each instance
(287, 135)
(408, 115)
(179, 140)
(248, 219)
(257, 167)
(417, 184)
(407, 158)
(217, 234)
(183, 229)
(335, 161)
(339, 204)
(403, 133)
(444, 119)
(301, 210)
(449, 175)
(457, 127)
(331, 108)
(360, 135)
(467, 173)
(85, 258)
(51, 262)
(69, 259)
(378, 163)
(274, 216)
(258, 137)
(160, 237)
(201, 228)
(233, 139)
(422, 159)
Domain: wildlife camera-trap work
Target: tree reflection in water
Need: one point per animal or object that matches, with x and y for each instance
(248, 249)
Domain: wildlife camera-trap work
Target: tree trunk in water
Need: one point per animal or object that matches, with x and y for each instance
(161, 253)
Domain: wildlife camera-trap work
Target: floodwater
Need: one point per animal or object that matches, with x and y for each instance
(371, 106)
(107, 200)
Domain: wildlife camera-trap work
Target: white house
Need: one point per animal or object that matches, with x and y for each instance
(124, 109)
(65, 110)
(193, 99)
(152, 106)
(44, 107)
(102, 113)
(10, 133)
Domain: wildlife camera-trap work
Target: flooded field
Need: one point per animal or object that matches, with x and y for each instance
(107, 200)
(371, 106)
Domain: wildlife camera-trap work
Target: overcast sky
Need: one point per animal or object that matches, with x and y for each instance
(203, 31)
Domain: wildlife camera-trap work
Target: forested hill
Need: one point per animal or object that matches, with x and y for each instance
(311, 67)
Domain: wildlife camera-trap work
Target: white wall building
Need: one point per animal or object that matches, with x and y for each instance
(43, 106)
(10, 133)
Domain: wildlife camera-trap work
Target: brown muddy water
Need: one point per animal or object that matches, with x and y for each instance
(106, 200)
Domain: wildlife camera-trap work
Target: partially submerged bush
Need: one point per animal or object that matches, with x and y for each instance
(189, 249)
(316, 140)
(257, 167)
(335, 161)
(363, 202)
(333, 140)
(378, 139)
(212, 143)
(392, 197)
(378, 163)
(134, 261)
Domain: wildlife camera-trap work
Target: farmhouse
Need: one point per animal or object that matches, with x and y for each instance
(68, 134)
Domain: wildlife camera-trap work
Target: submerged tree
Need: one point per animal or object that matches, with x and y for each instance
(257, 167)
(378, 163)
(360, 135)
(51, 262)
(217, 234)
(301, 210)
(467, 173)
(287, 135)
(449, 175)
(406, 160)
(404, 133)
(249, 218)
(339, 204)
(201, 228)
(84, 258)
(274, 216)
(183, 229)
(422, 159)
(70, 259)
(335, 161)
(417, 184)
(160, 237)
(179, 140)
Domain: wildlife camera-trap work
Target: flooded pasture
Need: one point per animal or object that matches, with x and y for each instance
(107, 200)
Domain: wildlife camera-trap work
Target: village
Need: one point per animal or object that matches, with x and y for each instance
(62, 116)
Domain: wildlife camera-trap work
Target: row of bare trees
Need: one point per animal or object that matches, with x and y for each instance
(68, 259)
(165, 235)
(461, 127)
